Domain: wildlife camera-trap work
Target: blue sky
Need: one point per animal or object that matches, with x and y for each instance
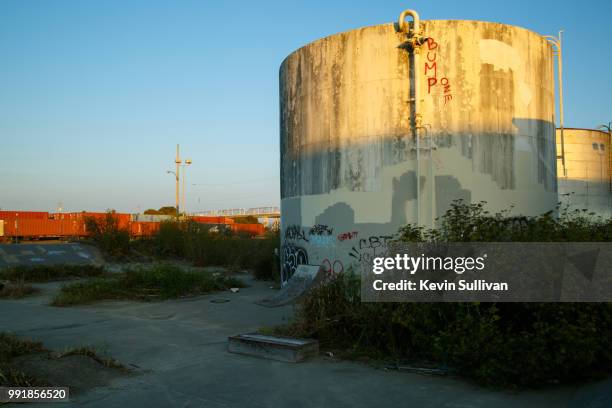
(94, 95)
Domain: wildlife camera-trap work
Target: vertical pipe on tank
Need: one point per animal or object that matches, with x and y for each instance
(556, 41)
(415, 40)
(560, 62)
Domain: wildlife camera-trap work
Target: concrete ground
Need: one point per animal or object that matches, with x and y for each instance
(43, 253)
(179, 350)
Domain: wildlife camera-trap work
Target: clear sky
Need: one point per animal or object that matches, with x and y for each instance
(94, 95)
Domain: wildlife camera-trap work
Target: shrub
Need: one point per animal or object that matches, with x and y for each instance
(207, 247)
(509, 344)
(106, 233)
(159, 282)
(472, 223)
(46, 273)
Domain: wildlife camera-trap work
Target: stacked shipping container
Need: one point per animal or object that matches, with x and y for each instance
(38, 224)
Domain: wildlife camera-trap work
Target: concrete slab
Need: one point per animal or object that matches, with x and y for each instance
(179, 349)
(280, 348)
(49, 254)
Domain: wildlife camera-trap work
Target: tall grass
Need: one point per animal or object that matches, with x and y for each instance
(206, 247)
(47, 273)
(11, 347)
(153, 283)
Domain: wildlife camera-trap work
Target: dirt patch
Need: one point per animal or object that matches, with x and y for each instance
(77, 371)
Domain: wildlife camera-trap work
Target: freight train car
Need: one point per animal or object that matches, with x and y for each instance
(33, 225)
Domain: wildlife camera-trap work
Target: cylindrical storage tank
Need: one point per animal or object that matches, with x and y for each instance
(586, 182)
(351, 172)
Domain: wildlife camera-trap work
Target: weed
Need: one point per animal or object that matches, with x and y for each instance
(47, 273)
(199, 244)
(10, 347)
(16, 290)
(159, 282)
(94, 355)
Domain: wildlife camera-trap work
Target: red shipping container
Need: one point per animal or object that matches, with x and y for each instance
(202, 219)
(143, 229)
(123, 219)
(251, 229)
(37, 215)
(35, 228)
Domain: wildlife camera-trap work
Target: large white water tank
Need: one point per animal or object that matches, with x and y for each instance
(350, 174)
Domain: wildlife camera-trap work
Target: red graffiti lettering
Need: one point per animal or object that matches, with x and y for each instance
(433, 66)
(431, 44)
(347, 235)
(431, 72)
(445, 84)
(431, 81)
(329, 268)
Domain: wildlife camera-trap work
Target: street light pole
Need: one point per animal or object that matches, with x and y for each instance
(177, 173)
(184, 166)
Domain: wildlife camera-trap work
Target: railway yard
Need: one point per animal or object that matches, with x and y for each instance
(36, 225)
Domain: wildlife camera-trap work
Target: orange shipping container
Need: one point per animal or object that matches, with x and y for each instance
(34, 228)
(211, 220)
(252, 229)
(37, 215)
(143, 229)
(123, 219)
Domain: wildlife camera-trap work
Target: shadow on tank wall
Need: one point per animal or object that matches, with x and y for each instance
(499, 156)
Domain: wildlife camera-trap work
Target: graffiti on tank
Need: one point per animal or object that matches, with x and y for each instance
(291, 257)
(295, 232)
(335, 267)
(375, 241)
(321, 229)
(371, 247)
(431, 72)
(347, 235)
(321, 240)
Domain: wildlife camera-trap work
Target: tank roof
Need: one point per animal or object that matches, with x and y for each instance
(394, 23)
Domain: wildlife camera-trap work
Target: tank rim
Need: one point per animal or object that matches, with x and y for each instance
(579, 128)
(388, 24)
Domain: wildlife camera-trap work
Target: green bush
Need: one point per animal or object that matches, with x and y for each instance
(158, 282)
(109, 237)
(201, 245)
(46, 273)
(473, 223)
(508, 344)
